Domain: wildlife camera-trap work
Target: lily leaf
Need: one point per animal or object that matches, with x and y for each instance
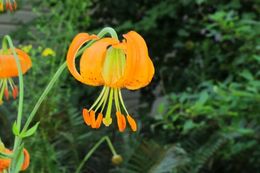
(30, 132)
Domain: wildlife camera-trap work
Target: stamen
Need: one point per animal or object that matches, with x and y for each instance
(15, 92)
(132, 123)
(116, 100)
(92, 119)
(15, 5)
(108, 120)
(121, 122)
(98, 99)
(13, 87)
(99, 120)
(86, 117)
(6, 93)
(2, 88)
(122, 102)
(103, 100)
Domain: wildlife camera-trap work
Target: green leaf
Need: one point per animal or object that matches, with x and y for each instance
(15, 129)
(188, 126)
(247, 75)
(203, 98)
(31, 131)
(200, 1)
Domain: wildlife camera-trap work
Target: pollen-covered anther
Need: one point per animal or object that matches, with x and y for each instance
(132, 123)
(15, 92)
(6, 92)
(86, 117)
(121, 121)
(107, 121)
(91, 120)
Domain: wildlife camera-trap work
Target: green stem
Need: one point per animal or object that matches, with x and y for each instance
(94, 148)
(21, 84)
(44, 94)
(102, 33)
(18, 140)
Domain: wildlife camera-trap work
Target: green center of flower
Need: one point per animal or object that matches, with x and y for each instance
(114, 66)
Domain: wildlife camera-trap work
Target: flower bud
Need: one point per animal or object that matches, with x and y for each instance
(117, 159)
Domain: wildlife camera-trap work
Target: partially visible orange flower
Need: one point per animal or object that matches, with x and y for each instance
(115, 65)
(5, 163)
(10, 5)
(8, 69)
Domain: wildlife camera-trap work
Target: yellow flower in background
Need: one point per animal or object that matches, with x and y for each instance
(48, 52)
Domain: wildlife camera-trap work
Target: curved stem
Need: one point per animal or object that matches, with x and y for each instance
(18, 140)
(94, 148)
(44, 94)
(102, 33)
(21, 84)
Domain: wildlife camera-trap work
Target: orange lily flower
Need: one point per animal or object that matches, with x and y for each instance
(115, 65)
(5, 163)
(10, 5)
(8, 69)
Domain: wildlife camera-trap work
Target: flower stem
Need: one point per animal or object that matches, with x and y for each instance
(94, 148)
(44, 94)
(18, 140)
(102, 33)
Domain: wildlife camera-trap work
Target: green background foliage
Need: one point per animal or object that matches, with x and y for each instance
(201, 112)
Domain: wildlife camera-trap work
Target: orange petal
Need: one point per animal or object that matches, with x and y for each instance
(92, 61)
(5, 163)
(8, 67)
(139, 68)
(26, 161)
(132, 123)
(76, 44)
(121, 122)
(25, 60)
(99, 120)
(86, 117)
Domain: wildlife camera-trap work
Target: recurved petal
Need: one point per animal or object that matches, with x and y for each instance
(139, 68)
(76, 44)
(26, 161)
(5, 163)
(92, 60)
(25, 60)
